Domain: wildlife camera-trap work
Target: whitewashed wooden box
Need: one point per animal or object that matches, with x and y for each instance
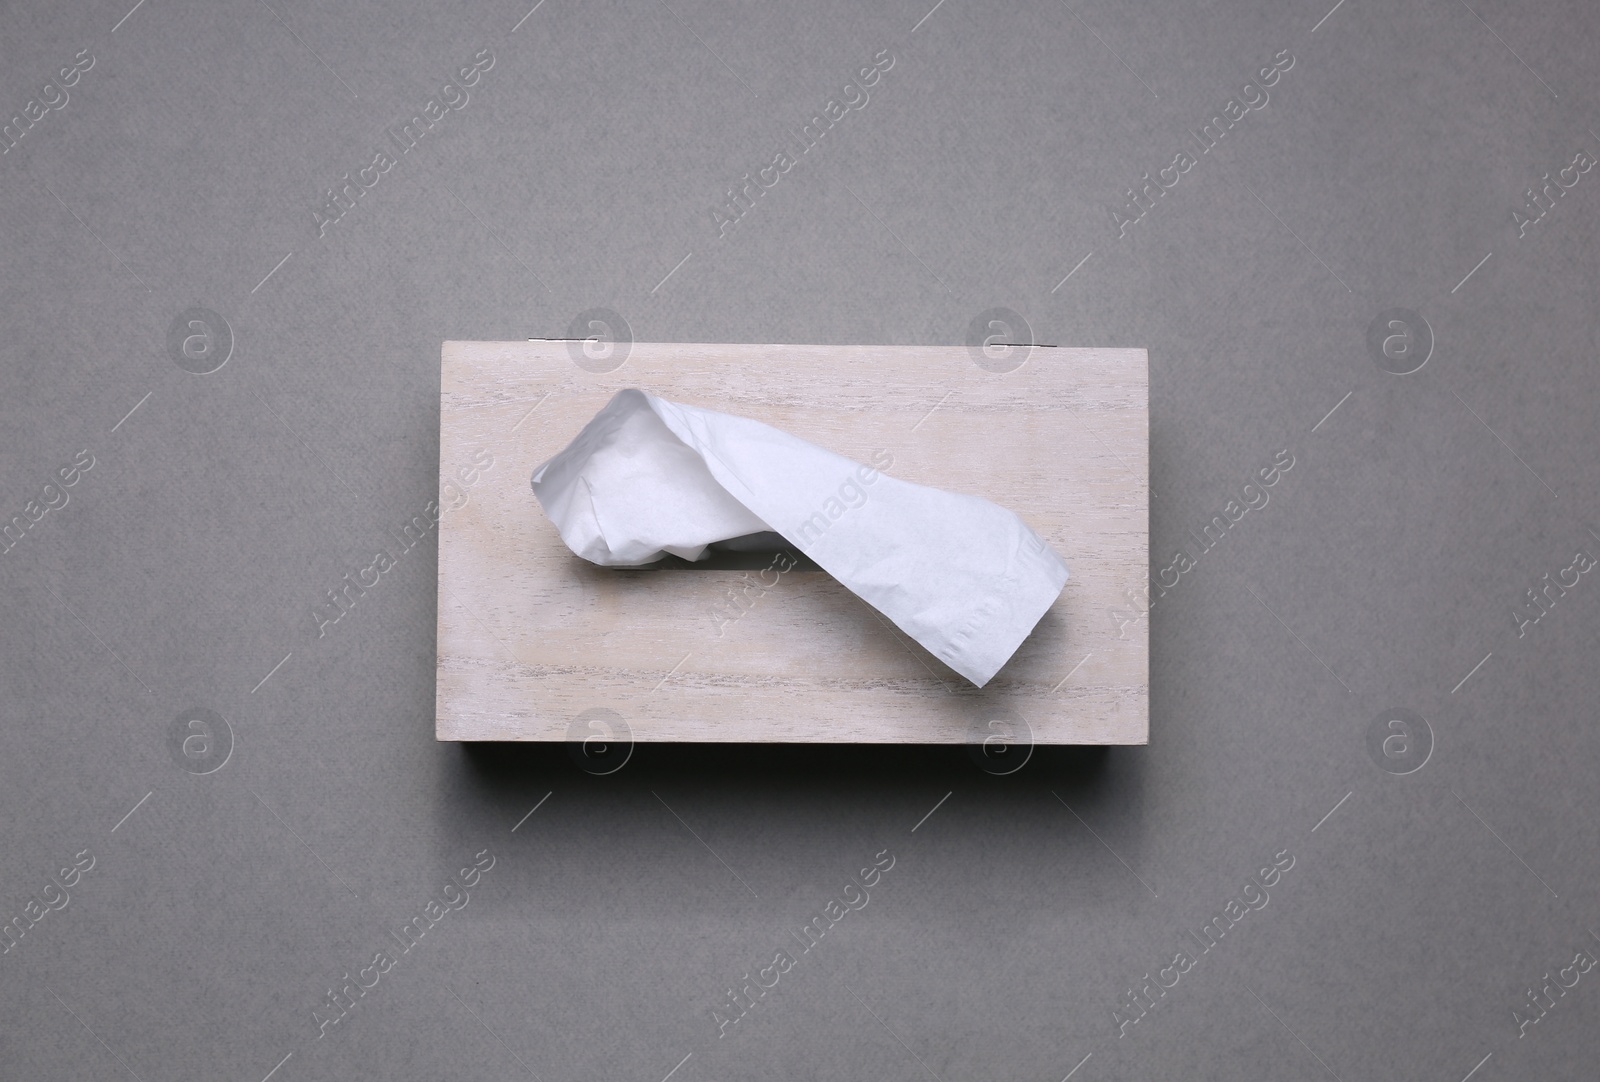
(530, 637)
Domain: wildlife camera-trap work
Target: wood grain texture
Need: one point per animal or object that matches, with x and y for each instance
(530, 636)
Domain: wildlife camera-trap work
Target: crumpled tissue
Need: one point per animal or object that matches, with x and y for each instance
(646, 477)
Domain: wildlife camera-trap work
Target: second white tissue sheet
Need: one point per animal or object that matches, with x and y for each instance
(645, 477)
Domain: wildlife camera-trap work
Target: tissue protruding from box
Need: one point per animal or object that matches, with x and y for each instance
(647, 477)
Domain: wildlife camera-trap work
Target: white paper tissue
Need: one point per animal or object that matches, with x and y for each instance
(645, 477)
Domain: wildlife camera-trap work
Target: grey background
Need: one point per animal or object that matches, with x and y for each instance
(1383, 574)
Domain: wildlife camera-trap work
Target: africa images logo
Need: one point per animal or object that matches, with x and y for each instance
(738, 202)
(452, 97)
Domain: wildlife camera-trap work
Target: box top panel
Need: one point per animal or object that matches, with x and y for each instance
(535, 643)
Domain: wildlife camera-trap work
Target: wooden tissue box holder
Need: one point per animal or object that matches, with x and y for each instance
(531, 637)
